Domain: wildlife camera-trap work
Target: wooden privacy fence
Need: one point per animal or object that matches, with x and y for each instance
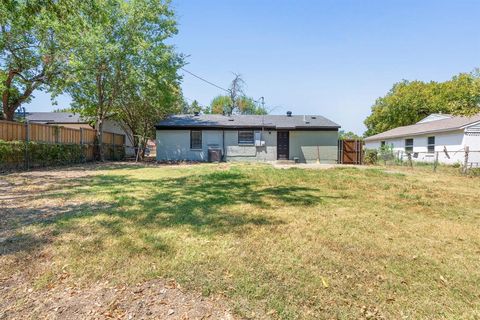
(66, 145)
(350, 151)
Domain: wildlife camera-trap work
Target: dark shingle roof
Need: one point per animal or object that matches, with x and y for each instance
(55, 117)
(450, 124)
(247, 121)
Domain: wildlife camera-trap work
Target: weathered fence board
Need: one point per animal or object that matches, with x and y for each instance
(11, 131)
(113, 144)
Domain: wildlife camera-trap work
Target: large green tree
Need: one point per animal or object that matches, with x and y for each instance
(121, 53)
(32, 52)
(410, 101)
(149, 92)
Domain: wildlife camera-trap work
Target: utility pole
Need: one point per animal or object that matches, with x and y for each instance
(263, 102)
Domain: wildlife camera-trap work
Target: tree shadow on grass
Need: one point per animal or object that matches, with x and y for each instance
(202, 202)
(211, 203)
(22, 243)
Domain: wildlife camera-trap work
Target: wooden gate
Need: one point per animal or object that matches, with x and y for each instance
(350, 151)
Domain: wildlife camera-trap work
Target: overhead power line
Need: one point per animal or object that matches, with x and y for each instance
(204, 80)
(261, 100)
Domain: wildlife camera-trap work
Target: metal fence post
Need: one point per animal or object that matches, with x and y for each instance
(56, 130)
(113, 147)
(84, 156)
(465, 164)
(435, 162)
(27, 142)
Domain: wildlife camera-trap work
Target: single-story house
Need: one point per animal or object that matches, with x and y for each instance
(299, 138)
(76, 121)
(444, 134)
(64, 119)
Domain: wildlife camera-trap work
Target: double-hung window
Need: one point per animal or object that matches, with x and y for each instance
(246, 137)
(408, 145)
(431, 144)
(196, 139)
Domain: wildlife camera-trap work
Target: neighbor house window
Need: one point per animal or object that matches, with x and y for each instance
(408, 145)
(246, 137)
(196, 139)
(382, 144)
(431, 144)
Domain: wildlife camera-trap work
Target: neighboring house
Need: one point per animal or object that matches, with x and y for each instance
(76, 121)
(247, 138)
(64, 119)
(435, 133)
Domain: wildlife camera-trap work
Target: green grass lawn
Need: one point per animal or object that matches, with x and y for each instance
(290, 244)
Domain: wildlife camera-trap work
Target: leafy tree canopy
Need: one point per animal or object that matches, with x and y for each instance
(31, 50)
(349, 135)
(244, 105)
(191, 108)
(121, 66)
(410, 101)
(236, 102)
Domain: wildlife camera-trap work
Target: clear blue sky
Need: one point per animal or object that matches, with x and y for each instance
(332, 58)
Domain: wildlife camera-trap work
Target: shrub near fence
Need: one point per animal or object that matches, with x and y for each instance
(27, 145)
(21, 154)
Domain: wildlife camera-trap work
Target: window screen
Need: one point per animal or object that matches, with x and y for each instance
(431, 144)
(408, 145)
(245, 137)
(195, 139)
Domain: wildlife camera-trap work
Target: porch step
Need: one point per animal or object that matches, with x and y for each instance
(285, 162)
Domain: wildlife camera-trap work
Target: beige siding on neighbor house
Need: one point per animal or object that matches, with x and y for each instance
(73, 125)
(114, 127)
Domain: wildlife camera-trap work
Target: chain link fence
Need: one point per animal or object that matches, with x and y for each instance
(467, 161)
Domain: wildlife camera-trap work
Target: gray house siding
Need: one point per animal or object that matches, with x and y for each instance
(309, 145)
(236, 152)
(174, 145)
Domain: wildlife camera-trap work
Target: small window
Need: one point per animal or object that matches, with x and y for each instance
(431, 144)
(245, 137)
(408, 145)
(382, 144)
(196, 139)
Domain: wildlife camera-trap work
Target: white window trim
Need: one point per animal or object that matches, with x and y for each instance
(412, 146)
(429, 145)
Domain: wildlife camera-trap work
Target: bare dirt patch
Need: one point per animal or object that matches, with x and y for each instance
(156, 299)
(25, 201)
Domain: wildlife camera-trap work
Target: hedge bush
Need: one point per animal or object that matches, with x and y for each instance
(12, 154)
